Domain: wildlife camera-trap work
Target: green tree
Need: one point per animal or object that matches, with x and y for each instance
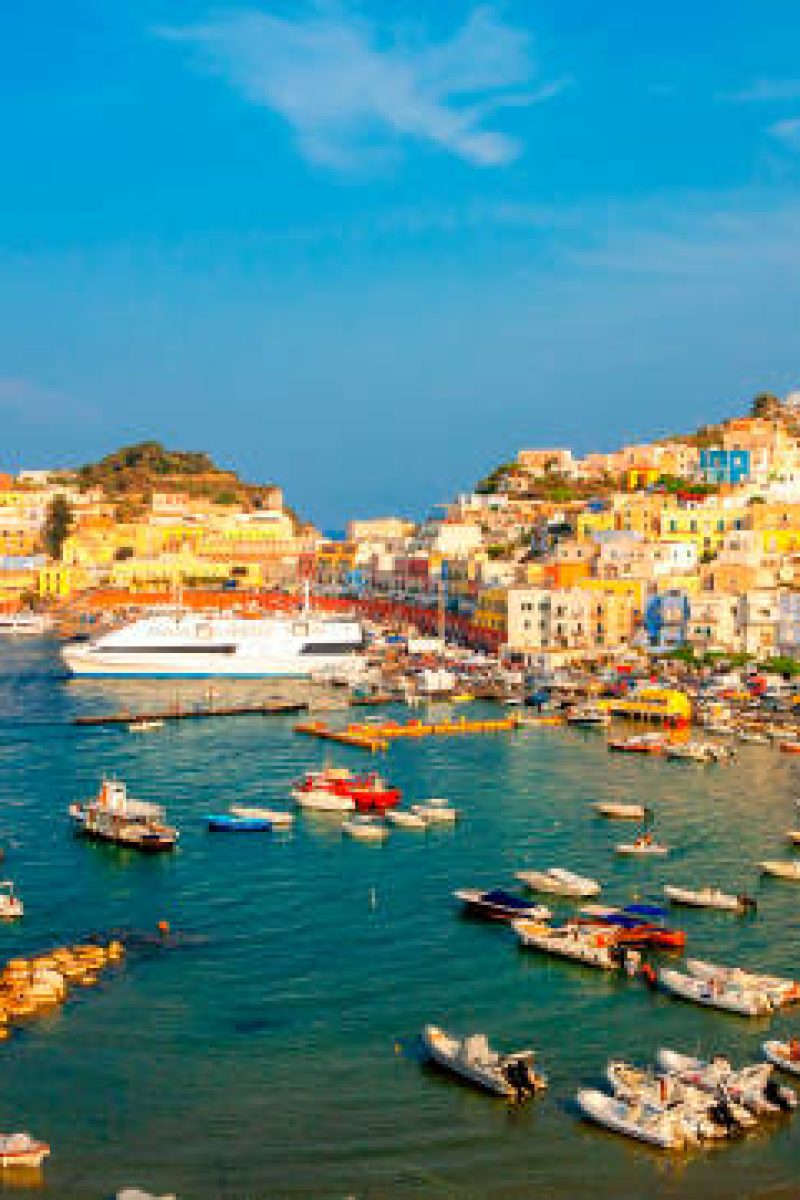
(766, 404)
(57, 525)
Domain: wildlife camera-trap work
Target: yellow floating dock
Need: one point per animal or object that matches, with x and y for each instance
(377, 736)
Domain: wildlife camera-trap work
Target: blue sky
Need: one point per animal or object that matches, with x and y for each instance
(370, 249)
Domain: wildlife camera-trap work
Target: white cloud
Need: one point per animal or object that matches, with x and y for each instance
(788, 132)
(765, 91)
(349, 92)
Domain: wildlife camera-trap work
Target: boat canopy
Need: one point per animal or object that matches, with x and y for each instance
(646, 910)
(507, 899)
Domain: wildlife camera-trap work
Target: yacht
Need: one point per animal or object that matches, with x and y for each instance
(195, 644)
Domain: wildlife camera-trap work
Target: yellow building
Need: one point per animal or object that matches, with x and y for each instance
(491, 612)
(705, 525)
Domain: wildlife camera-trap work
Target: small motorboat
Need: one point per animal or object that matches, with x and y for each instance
(750, 1086)
(781, 991)
(230, 823)
(785, 1055)
(634, 1119)
(644, 846)
(322, 800)
(781, 869)
(365, 828)
(145, 724)
(559, 882)
(498, 905)
(436, 811)
(631, 929)
(11, 907)
(697, 1108)
(753, 736)
(589, 716)
(404, 818)
(728, 997)
(592, 946)
(473, 1059)
(709, 897)
(794, 836)
(21, 1150)
(620, 812)
(278, 818)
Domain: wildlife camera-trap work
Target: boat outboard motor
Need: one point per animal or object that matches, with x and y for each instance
(780, 1096)
(748, 903)
(722, 1114)
(516, 1075)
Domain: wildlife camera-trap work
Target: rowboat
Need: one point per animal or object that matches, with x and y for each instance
(498, 905)
(228, 823)
(436, 811)
(592, 947)
(750, 1086)
(708, 897)
(780, 991)
(642, 846)
(785, 1055)
(278, 818)
(11, 907)
(620, 812)
(728, 997)
(473, 1059)
(559, 882)
(781, 869)
(21, 1150)
(405, 819)
(633, 1118)
(365, 828)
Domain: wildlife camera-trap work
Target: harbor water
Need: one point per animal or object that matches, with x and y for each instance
(267, 1048)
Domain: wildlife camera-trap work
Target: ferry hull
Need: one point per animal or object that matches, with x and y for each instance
(82, 662)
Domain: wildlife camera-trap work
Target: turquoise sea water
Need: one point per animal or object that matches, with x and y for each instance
(270, 1052)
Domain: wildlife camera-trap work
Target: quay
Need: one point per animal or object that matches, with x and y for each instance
(268, 708)
(378, 735)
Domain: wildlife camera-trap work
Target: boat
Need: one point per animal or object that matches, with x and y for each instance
(591, 946)
(634, 1119)
(790, 746)
(114, 817)
(145, 724)
(794, 836)
(557, 881)
(11, 907)
(21, 1150)
(436, 811)
(620, 812)
(369, 793)
(701, 1113)
(230, 823)
(781, 991)
(589, 716)
(403, 818)
(365, 828)
(25, 623)
(321, 800)
(278, 818)
(699, 752)
(645, 743)
(753, 736)
(709, 897)
(179, 644)
(785, 1055)
(781, 869)
(499, 905)
(473, 1059)
(728, 997)
(750, 1086)
(632, 929)
(643, 846)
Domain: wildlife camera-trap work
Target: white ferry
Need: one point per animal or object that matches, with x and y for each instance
(193, 644)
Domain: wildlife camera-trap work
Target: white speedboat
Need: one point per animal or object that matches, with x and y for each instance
(643, 846)
(278, 818)
(21, 1150)
(785, 1055)
(708, 897)
(145, 724)
(404, 818)
(589, 945)
(322, 800)
(365, 828)
(780, 991)
(750, 1086)
(620, 812)
(473, 1059)
(634, 1119)
(560, 882)
(11, 907)
(782, 869)
(436, 811)
(728, 997)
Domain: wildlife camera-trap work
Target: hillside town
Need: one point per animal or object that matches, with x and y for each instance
(687, 546)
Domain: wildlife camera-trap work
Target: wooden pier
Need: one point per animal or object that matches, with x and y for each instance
(267, 708)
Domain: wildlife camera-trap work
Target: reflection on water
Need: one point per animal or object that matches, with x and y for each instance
(252, 1052)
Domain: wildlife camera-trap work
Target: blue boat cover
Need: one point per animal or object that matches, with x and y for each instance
(223, 823)
(645, 910)
(507, 899)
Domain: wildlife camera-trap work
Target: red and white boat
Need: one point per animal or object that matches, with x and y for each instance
(368, 793)
(21, 1150)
